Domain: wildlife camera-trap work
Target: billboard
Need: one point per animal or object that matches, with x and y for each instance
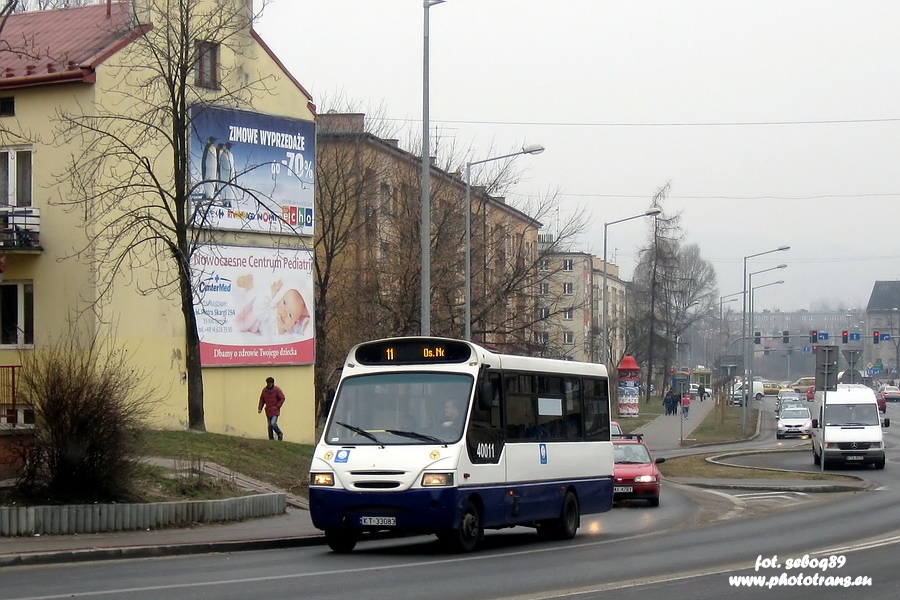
(251, 171)
(254, 306)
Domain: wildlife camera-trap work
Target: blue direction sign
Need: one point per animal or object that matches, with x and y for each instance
(823, 337)
(855, 337)
(885, 336)
(807, 349)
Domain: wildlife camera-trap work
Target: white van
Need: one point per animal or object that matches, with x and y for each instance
(757, 391)
(846, 428)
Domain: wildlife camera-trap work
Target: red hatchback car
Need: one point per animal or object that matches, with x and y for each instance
(636, 474)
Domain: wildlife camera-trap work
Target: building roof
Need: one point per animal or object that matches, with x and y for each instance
(67, 44)
(62, 45)
(885, 296)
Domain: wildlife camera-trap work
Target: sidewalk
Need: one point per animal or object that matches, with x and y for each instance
(666, 432)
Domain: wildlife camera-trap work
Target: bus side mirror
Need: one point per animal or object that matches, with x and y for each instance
(815, 423)
(485, 395)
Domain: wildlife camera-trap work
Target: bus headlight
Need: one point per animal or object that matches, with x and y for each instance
(437, 479)
(321, 479)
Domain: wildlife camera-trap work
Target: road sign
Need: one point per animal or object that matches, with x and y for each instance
(885, 337)
(807, 349)
(823, 337)
(855, 337)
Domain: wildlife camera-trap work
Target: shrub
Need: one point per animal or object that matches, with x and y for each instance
(90, 411)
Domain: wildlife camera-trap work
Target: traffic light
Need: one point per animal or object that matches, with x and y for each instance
(845, 337)
(786, 336)
(876, 337)
(813, 336)
(757, 337)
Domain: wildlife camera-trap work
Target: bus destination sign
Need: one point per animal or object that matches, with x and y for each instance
(413, 352)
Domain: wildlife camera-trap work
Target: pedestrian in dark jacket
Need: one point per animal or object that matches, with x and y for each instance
(271, 399)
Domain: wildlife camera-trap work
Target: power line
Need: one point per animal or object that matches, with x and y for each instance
(658, 124)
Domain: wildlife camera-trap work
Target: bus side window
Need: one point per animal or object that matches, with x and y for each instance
(489, 418)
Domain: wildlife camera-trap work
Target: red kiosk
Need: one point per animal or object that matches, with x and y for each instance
(629, 387)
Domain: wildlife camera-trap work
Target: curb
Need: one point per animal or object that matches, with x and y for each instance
(789, 487)
(92, 554)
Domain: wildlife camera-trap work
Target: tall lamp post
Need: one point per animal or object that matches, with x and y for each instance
(652, 212)
(745, 335)
(426, 185)
(529, 149)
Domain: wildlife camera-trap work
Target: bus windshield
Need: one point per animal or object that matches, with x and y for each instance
(400, 408)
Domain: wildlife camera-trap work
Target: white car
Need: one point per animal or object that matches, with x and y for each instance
(793, 422)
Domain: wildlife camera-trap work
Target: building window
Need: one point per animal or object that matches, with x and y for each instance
(568, 289)
(7, 107)
(17, 314)
(543, 338)
(544, 265)
(208, 65)
(568, 264)
(543, 313)
(544, 288)
(568, 338)
(15, 177)
(568, 314)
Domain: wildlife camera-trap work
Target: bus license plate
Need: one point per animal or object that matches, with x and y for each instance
(855, 457)
(622, 489)
(379, 521)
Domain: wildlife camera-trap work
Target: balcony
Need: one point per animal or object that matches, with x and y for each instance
(20, 228)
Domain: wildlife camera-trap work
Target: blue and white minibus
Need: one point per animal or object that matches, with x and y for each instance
(530, 445)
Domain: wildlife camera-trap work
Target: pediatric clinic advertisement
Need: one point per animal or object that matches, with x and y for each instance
(252, 171)
(254, 306)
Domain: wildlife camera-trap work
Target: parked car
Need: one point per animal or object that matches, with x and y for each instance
(793, 422)
(636, 474)
(615, 430)
(695, 391)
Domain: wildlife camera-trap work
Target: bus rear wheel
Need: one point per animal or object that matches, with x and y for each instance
(565, 526)
(470, 531)
(342, 541)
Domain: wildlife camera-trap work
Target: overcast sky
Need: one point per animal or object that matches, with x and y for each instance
(776, 123)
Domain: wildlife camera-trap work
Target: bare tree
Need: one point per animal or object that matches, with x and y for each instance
(674, 288)
(130, 177)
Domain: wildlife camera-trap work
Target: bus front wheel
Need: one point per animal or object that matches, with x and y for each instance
(341, 541)
(470, 531)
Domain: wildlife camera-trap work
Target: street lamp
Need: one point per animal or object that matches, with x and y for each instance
(651, 212)
(752, 292)
(529, 149)
(744, 335)
(426, 185)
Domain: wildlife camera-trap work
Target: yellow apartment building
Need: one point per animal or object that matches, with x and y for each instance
(87, 142)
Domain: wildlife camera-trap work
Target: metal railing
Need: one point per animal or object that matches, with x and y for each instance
(20, 226)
